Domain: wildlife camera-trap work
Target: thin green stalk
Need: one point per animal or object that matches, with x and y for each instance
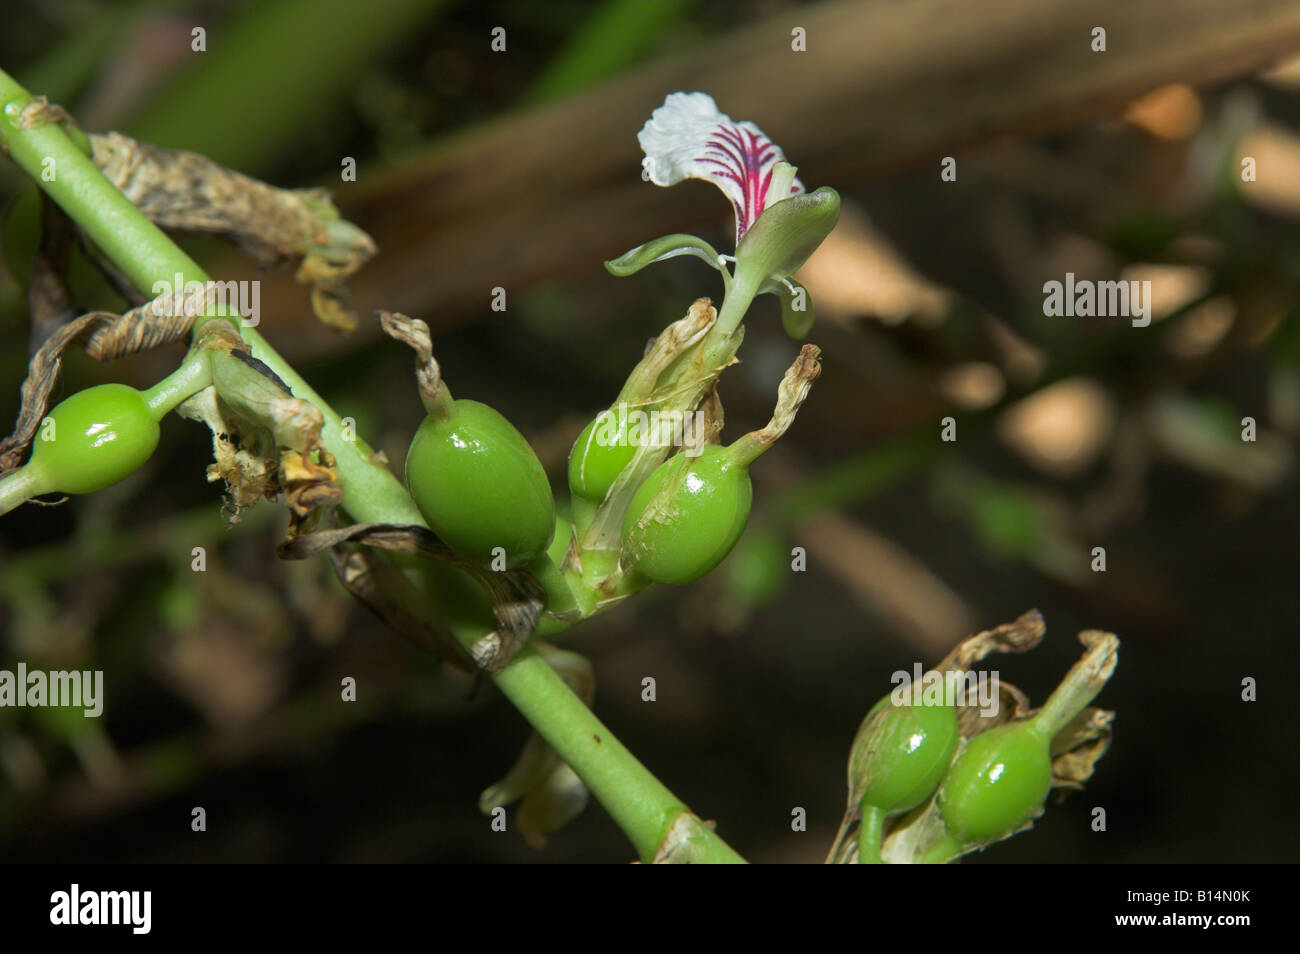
(741, 294)
(645, 810)
(869, 835)
(639, 802)
(189, 379)
(135, 244)
(16, 488)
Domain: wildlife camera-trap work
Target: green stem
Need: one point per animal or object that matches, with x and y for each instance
(748, 448)
(641, 805)
(639, 802)
(16, 488)
(371, 493)
(870, 831)
(740, 296)
(136, 245)
(560, 598)
(439, 404)
(1080, 686)
(189, 379)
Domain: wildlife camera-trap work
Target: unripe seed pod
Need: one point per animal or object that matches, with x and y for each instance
(1000, 780)
(99, 436)
(480, 486)
(687, 516)
(900, 756)
(997, 783)
(599, 455)
(902, 753)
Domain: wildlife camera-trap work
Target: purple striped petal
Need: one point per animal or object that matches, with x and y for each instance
(688, 138)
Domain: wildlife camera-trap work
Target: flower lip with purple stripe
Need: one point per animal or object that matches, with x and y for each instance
(689, 138)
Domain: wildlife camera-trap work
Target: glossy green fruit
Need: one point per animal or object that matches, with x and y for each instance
(599, 455)
(687, 516)
(99, 436)
(480, 485)
(997, 783)
(902, 754)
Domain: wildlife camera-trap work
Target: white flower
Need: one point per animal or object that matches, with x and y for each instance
(688, 138)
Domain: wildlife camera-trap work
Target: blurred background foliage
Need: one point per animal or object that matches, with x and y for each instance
(519, 169)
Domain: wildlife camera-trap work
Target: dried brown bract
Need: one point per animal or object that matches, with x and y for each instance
(185, 192)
